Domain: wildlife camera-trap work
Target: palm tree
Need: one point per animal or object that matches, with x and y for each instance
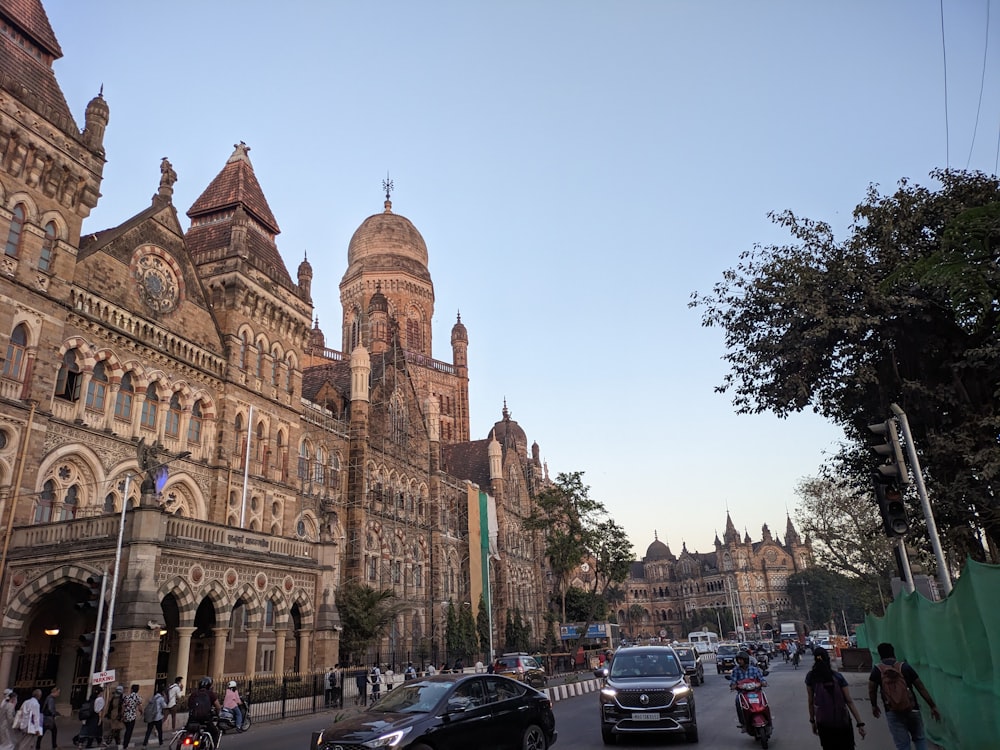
(366, 614)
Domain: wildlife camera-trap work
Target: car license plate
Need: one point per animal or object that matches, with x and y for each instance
(646, 717)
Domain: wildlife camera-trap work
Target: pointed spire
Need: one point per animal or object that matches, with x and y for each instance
(731, 535)
(791, 535)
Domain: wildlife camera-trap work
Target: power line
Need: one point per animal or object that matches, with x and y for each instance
(982, 83)
(944, 58)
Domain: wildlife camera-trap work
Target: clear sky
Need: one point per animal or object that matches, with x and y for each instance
(577, 169)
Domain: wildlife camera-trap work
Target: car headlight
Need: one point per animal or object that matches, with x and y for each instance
(607, 692)
(681, 691)
(393, 739)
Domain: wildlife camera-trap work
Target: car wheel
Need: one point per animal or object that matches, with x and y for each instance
(691, 735)
(608, 736)
(533, 738)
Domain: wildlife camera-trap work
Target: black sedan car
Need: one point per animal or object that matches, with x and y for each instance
(725, 657)
(449, 712)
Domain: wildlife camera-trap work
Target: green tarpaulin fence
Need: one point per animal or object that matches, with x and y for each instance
(954, 645)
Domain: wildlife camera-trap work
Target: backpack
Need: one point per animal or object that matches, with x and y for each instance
(829, 705)
(201, 705)
(86, 710)
(149, 712)
(332, 681)
(895, 691)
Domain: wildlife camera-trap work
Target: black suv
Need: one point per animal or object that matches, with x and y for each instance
(691, 661)
(725, 657)
(645, 693)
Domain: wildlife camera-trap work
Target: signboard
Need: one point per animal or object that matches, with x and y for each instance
(102, 678)
(595, 630)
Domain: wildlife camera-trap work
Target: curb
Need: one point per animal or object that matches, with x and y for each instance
(571, 689)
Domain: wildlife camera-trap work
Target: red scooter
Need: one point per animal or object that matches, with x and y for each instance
(756, 712)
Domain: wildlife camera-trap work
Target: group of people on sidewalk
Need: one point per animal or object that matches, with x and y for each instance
(831, 706)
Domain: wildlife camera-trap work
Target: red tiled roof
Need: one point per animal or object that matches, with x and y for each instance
(25, 63)
(468, 461)
(338, 374)
(236, 185)
(30, 17)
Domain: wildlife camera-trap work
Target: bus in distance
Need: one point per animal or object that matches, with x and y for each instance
(704, 641)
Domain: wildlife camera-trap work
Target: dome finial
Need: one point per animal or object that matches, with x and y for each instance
(506, 414)
(387, 186)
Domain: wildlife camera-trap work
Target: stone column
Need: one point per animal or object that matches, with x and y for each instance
(183, 652)
(251, 666)
(304, 653)
(7, 649)
(219, 652)
(279, 652)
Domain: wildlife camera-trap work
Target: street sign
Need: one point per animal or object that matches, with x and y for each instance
(103, 678)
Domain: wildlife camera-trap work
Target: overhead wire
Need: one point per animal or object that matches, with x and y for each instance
(944, 58)
(982, 84)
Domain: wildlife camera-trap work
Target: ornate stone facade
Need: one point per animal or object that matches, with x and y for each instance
(291, 468)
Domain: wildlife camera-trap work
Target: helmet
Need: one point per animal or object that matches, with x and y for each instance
(232, 684)
(743, 656)
(205, 682)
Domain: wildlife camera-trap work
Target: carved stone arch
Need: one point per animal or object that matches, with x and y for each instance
(306, 611)
(183, 497)
(113, 367)
(254, 604)
(292, 360)
(215, 592)
(282, 611)
(33, 324)
(311, 523)
(187, 603)
(20, 605)
(262, 344)
(88, 467)
(82, 346)
(30, 207)
(62, 229)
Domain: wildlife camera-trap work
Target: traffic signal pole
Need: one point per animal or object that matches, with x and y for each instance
(97, 630)
(944, 576)
(114, 581)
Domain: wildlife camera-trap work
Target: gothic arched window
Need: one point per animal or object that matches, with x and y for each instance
(13, 365)
(16, 232)
(123, 401)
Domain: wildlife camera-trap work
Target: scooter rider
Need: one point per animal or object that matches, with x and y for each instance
(744, 671)
(203, 708)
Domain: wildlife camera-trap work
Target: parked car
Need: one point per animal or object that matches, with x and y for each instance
(449, 712)
(691, 661)
(725, 657)
(645, 693)
(523, 667)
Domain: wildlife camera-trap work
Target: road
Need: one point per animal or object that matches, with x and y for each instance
(576, 719)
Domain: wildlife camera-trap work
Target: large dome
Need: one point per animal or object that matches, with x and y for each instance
(657, 551)
(387, 234)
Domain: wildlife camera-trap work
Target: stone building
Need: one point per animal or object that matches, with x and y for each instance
(171, 388)
(721, 589)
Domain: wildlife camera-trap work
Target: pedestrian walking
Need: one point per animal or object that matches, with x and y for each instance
(361, 680)
(113, 716)
(7, 708)
(153, 714)
(28, 722)
(329, 687)
(49, 714)
(897, 680)
(375, 677)
(174, 693)
(131, 708)
(91, 714)
(831, 705)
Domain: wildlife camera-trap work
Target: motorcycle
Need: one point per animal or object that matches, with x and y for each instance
(227, 719)
(196, 736)
(756, 712)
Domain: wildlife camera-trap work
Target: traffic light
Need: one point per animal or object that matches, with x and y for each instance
(893, 469)
(755, 620)
(96, 586)
(88, 642)
(892, 509)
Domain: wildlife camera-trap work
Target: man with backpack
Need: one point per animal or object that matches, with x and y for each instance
(897, 680)
(203, 707)
(831, 705)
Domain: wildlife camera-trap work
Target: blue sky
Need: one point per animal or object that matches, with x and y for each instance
(577, 170)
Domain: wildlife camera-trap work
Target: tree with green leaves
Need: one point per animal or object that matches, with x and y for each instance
(905, 310)
(483, 627)
(452, 635)
(366, 615)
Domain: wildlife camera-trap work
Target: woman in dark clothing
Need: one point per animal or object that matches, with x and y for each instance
(829, 703)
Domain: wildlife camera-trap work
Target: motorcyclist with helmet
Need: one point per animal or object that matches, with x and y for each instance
(744, 671)
(197, 701)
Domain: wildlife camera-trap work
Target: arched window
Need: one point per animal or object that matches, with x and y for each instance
(97, 389)
(46, 499)
(68, 380)
(172, 427)
(13, 246)
(13, 365)
(288, 374)
(259, 367)
(303, 461)
(275, 362)
(194, 426)
(355, 337)
(243, 351)
(414, 340)
(70, 504)
(397, 419)
(260, 449)
(150, 408)
(123, 401)
(48, 247)
(318, 466)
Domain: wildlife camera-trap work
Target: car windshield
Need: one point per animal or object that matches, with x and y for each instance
(684, 653)
(646, 664)
(412, 698)
(728, 650)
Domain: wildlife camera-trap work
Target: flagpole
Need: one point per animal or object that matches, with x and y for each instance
(246, 468)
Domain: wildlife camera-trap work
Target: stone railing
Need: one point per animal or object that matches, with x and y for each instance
(187, 529)
(103, 528)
